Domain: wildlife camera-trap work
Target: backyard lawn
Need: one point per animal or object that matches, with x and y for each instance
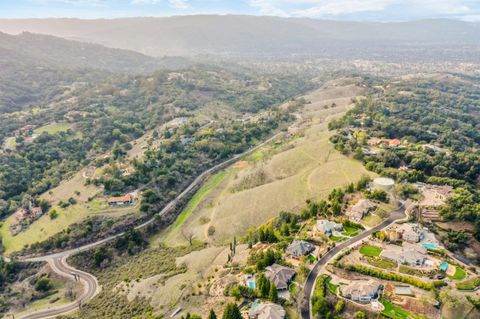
(350, 231)
(337, 238)
(331, 287)
(459, 273)
(395, 312)
(372, 251)
(469, 284)
(381, 262)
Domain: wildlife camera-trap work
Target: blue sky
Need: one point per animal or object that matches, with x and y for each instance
(364, 10)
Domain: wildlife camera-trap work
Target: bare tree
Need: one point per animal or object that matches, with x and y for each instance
(70, 293)
(188, 236)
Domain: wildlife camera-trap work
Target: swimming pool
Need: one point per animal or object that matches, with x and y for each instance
(430, 246)
(443, 266)
(251, 284)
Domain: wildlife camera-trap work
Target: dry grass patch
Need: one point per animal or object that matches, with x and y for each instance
(306, 167)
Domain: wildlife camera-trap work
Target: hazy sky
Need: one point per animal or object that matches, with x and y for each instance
(373, 10)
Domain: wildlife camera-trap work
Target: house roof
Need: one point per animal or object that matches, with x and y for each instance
(280, 275)
(324, 225)
(36, 210)
(362, 207)
(120, 199)
(267, 310)
(360, 288)
(393, 141)
(300, 248)
(20, 214)
(408, 253)
(374, 141)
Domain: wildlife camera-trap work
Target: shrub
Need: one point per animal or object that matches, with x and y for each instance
(53, 214)
(389, 276)
(43, 284)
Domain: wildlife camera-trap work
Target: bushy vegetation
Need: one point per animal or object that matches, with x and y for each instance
(469, 284)
(108, 114)
(389, 276)
(12, 272)
(438, 123)
(261, 259)
(125, 267)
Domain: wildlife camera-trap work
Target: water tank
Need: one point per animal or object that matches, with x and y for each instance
(383, 183)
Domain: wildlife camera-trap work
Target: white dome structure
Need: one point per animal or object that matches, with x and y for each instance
(383, 183)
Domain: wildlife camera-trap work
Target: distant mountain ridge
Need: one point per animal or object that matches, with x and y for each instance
(251, 35)
(50, 51)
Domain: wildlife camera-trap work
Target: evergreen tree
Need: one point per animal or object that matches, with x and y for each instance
(273, 294)
(263, 286)
(212, 314)
(232, 312)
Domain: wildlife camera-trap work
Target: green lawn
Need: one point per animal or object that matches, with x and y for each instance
(372, 251)
(395, 312)
(53, 128)
(469, 284)
(381, 262)
(336, 238)
(331, 287)
(350, 231)
(459, 273)
(199, 196)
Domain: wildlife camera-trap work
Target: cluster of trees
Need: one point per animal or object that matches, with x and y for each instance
(262, 259)
(281, 229)
(266, 288)
(441, 132)
(108, 113)
(10, 273)
(189, 151)
(377, 194)
(322, 307)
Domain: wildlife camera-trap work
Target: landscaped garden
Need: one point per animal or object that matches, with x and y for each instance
(350, 231)
(369, 250)
(459, 273)
(331, 287)
(469, 284)
(381, 262)
(395, 312)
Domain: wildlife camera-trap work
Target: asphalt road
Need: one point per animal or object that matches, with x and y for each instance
(88, 281)
(58, 261)
(395, 215)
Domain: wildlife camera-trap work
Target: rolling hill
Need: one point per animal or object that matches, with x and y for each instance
(50, 51)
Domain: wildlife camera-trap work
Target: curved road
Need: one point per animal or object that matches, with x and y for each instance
(58, 261)
(305, 309)
(90, 289)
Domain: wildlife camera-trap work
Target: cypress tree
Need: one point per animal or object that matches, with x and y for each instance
(212, 314)
(273, 294)
(232, 312)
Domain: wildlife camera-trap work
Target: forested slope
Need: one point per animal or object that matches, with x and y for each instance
(437, 120)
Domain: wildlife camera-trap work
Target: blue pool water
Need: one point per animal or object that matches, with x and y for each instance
(251, 284)
(430, 246)
(443, 266)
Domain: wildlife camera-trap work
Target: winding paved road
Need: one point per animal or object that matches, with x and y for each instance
(58, 261)
(88, 281)
(305, 310)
